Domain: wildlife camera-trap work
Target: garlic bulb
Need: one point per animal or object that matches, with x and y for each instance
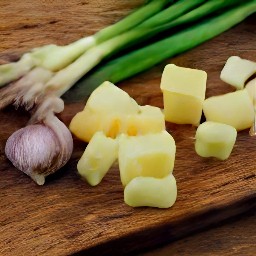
(38, 150)
(43, 147)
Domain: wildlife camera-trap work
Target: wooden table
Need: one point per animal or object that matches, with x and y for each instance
(66, 216)
(234, 237)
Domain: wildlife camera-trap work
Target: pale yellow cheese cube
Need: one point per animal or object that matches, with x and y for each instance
(84, 124)
(215, 140)
(108, 98)
(152, 155)
(149, 119)
(106, 110)
(236, 71)
(183, 94)
(235, 109)
(97, 158)
(152, 192)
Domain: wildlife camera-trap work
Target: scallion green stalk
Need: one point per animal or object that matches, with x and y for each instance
(131, 20)
(68, 76)
(170, 13)
(202, 11)
(147, 57)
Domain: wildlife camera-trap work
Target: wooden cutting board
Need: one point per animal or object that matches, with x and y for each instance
(68, 216)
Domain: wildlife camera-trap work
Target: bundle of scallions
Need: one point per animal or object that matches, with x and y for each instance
(44, 74)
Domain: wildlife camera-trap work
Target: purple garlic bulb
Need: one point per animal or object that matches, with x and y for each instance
(39, 150)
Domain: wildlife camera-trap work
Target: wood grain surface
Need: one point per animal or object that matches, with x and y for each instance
(67, 216)
(234, 237)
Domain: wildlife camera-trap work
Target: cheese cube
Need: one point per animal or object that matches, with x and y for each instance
(97, 158)
(149, 119)
(152, 155)
(106, 110)
(215, 140)
(235, 109)
(184, 93)
(152, 192)
(236, 71)
(84, 124)
(108, 98)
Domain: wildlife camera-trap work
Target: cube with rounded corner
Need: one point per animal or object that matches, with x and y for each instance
(236, 71)
(108, 98)
(183, 94)
(152, 155)
(215, 140)
(106, 110)
(152, 192)
(98, 157)
(235, 109)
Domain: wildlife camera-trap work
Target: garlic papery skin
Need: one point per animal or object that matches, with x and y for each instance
(39, 150)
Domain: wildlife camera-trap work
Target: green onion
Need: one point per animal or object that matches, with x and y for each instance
(54, 58)
(181, 12)
(68, 76)
(59, 57)
(145, 58)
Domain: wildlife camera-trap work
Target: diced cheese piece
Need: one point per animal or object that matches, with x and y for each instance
(152, 192)
(235, 109)
(182, 109)
(97, 158)
(236, 71)
(146, 155)
(84, 124)
(106, 110)
(108, 98)
(251, 88)
(183, 93)
(215, 140)
(149, 120)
